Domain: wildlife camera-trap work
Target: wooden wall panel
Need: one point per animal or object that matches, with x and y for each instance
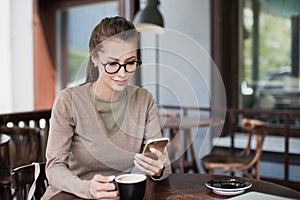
(44, 71)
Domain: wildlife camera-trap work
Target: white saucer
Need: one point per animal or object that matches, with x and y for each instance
(228, 186)
(229, 193)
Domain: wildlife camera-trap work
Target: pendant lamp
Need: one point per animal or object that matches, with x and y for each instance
(149, 19)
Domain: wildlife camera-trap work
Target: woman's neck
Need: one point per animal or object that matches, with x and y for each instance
(105, 93)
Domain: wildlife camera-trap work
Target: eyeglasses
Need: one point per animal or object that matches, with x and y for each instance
(114, 67)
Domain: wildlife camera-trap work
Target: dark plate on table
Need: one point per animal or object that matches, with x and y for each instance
(228, 186)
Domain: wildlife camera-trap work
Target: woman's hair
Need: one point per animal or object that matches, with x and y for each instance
(116, 27)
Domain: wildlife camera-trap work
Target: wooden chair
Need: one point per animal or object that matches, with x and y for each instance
(24, 148)
(244, 162)
(23, 177)
(4, 162)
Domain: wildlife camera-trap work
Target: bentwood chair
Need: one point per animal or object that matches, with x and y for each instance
(23, 177)
(246, 161)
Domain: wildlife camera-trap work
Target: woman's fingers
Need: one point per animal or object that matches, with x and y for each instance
(105, 187)
(103, 179)
(104, 183)
(144, 169)
(101, 187)
(107, 195)
(150, 166)
(160, 155)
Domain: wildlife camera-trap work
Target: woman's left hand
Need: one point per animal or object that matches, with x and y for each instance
(151, 166)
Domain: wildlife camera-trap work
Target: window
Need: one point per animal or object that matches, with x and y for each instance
(74, 26)
(270, 64)
(61, 29)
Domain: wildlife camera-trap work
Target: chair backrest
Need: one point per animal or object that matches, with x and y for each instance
(25, 145)
(4, 150)
(23, 177)
(257, 128)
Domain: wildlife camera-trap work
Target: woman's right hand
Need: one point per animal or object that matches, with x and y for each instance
(102, 187)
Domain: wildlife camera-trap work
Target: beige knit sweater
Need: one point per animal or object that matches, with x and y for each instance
(80, 146)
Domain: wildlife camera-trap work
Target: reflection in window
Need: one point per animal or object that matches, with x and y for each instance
(270, 43)
(74, 26)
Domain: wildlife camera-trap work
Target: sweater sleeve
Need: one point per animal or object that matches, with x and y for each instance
(59, 146)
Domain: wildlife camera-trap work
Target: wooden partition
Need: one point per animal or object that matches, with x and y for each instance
(38, 119)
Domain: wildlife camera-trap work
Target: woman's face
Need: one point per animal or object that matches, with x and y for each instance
(120, 51)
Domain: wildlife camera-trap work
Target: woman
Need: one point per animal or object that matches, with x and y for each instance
(98, 129)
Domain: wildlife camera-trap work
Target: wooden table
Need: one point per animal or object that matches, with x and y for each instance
(184, 124)
(192, 187)
(188, 122)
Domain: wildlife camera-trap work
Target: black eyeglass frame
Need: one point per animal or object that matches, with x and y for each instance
(138, 63)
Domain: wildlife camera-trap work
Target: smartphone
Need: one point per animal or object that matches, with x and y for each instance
(158, 143)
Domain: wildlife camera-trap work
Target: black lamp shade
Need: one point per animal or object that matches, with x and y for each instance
(149, 19)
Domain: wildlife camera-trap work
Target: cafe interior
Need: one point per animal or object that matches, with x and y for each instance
(224, 75)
